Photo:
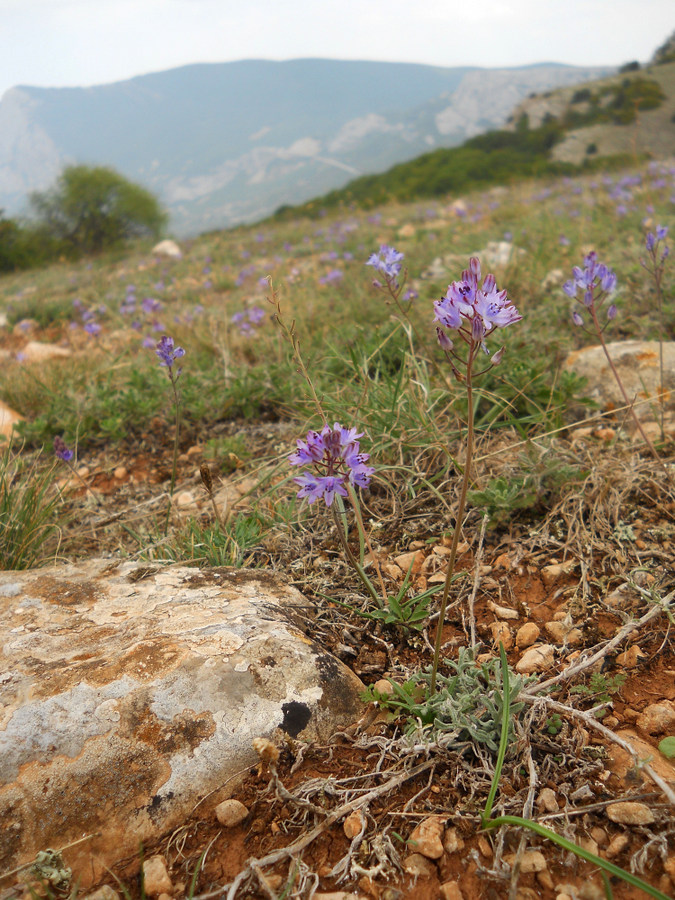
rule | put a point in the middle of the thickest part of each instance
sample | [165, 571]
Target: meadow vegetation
[284, 333]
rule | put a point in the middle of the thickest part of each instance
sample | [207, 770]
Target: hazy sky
[56, 43]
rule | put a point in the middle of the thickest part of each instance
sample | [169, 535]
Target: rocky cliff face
[29, 158]
[226, 144]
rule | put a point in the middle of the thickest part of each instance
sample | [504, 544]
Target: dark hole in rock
[296, 717]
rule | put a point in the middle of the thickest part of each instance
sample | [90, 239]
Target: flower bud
[497, 357]
[443, 339]
[576, 318]
[612, 311]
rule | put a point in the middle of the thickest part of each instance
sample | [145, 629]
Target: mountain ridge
[223, 143]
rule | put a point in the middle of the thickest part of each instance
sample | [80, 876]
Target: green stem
[364, 540]
[341, 528]
[458, 520]
[174, 466]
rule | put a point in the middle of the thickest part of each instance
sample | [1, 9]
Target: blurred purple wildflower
[387, 261]
[336, 460]
[168, 353]
[62, 450]
[596, 282]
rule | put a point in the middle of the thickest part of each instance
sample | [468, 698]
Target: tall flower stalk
[334, 466]
[472, 312]
[594, 285]
[656, 265]
[168, 353]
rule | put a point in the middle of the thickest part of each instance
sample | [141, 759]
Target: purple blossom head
[595, 282]
[168, 354]
[387, 261]
[62, 450]
[474, 309]
[335, 458]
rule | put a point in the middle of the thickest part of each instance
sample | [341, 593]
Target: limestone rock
[8, 419]
[630, 812]
[451, 891]
[501, 633]
[617, 845]
[637, 363]
[156, 879]
[419, 866]
[526, 635]
[231, 813]
[452, 842]
[657, 718]
[105, 892]
[536, 659]
[547, 800]
[167, 248]
[530, 861]
[620, 762]
[426, 838]
[353, 824]
[130, 691]
[36, 351]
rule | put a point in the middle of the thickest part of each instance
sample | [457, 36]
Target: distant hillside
[227, 143]
[606, 121]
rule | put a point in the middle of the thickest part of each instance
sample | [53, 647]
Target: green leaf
[667, 747]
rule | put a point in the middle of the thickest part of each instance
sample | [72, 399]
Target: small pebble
[545, 879]
[536, 659]
[530, 861]
[629, 812]
[485, 847]
[547, 800]
[451, 891]
[501, 633]
[452, 842]
[419, 866]
[352, 824]
[120, 473]
[231, 813]
[630, 658]
[426, 838]
[156, 879]
[526, 635]
[105, 892]
[382, 686]
[618, 843]
[657, 718]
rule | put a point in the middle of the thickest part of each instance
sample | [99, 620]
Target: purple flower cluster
[472, 310]
[62, 450]
[596, 281]
[336, 459]
[248, 320]
[168, 353]
[653, 239]
[387, 261]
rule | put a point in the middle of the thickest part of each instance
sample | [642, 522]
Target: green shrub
[94, 208]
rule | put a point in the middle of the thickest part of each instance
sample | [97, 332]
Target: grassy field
[597, 505]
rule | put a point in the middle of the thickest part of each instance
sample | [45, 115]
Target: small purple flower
[576, 318]
[335, 458]
[387, 260]
[475, 310]
[168, 354]
[92, 328]
[62, 450]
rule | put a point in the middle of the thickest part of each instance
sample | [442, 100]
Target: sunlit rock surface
[128, 692]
